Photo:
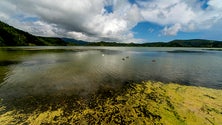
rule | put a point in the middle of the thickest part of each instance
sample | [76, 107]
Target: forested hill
[174, 43]
[10, 36]
[195, 43]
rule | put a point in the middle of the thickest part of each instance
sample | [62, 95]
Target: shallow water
[83, 70]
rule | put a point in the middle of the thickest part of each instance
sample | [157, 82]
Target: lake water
[82, 70]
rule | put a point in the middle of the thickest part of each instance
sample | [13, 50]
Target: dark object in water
[127, 57]
[185, 51]
[153, 60]
[123, 58]
[8, 62]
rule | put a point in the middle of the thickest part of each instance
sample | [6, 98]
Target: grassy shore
[144, 103]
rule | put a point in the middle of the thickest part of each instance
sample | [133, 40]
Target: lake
[83, 70]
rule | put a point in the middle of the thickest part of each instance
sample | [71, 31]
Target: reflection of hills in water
[186, 51]
[81, 70]
[53, 83]
[72, 73]
[8, 62]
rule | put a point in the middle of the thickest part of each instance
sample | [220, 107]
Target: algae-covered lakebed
[104, 85]
[144, 103]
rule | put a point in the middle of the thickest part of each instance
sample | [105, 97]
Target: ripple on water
[84, 72]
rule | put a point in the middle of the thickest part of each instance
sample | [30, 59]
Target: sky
[116, 20]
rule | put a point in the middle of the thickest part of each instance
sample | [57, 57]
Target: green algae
[144, 103]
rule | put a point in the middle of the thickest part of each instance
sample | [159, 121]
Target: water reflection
[53, 71]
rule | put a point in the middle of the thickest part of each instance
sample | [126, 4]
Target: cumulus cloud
[179, 15]
[6, 10]
[167, 12]
[171, 31]
[89, 20]
[215, 4]
[85, 19]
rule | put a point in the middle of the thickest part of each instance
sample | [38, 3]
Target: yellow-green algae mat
[145, 103]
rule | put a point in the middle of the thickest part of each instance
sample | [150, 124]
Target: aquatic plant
[144, 103]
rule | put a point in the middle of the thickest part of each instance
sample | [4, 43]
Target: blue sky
[116, 20]
[152, 32]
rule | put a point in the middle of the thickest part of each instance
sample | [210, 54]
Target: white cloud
[167, 12]
[175, 13]
[88, 19]
[212, 15]
[85, 17]
[216, 4]
[172, 31]
[77, 35]
[189, 14]
[6, 10]
[44, 29]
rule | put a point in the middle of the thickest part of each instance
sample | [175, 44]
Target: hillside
[102, 43]
[174, 43]
[195, 43]
[186, 43]
[75, 42]
[10, 36]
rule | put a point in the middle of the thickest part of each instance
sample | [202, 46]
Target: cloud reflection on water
[85, 71]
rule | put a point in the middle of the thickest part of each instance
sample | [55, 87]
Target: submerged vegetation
[145, 103]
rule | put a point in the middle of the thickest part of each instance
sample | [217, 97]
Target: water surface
[83, 70]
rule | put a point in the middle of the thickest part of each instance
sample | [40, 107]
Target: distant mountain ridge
[76, 42]
[187, 43]
[174, 43]
[196, 43]
[10, 36]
